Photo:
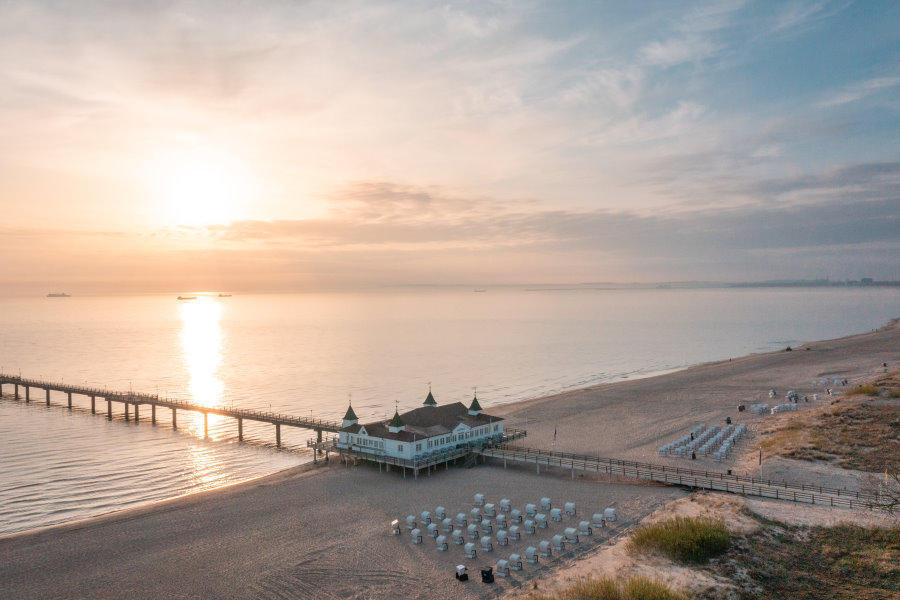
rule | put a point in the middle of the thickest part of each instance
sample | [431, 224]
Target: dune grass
[867, 389]
[684, 539]
[845, 562]
[605, 588]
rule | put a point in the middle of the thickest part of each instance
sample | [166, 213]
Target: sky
[276, 146]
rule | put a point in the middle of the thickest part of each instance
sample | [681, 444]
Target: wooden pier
[693, 478]
[132, 403]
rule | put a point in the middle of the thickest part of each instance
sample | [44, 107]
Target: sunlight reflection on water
[201, 343]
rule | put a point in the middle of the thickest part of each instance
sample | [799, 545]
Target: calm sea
[307, 353]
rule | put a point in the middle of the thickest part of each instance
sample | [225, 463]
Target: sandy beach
[626, 419]
[323, 533]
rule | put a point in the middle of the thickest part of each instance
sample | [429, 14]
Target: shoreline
[503, 409]
[153, 506]
[510, 407]
[324, 532]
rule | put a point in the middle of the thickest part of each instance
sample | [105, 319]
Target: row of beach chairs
[511, 524]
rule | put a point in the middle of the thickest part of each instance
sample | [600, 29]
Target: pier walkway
[131, 400]
[694, 478]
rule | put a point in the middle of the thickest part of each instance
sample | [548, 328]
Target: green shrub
[685, 539]
[868, 389]
[605, 588]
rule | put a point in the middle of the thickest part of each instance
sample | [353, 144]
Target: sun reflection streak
[201, 342]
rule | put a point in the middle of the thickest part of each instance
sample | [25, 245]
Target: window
[400, 447]
[418, 447]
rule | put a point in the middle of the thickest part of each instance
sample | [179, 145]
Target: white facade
[421, 431]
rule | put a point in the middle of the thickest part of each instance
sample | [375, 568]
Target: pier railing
[135, 399]
[688, 472]
[695, 478]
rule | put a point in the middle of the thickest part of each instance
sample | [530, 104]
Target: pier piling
[133, 398]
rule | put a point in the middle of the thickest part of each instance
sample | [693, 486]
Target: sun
[200, 187]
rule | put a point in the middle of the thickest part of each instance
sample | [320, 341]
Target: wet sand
[323, 533]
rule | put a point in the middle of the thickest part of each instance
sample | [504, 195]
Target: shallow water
[306, 353]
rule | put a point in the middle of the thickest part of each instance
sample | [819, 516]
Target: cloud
[859, 91]
[519, 141]
[676, 51]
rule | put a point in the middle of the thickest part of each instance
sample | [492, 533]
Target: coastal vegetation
[636, 587]
[683, 539]
[859, 431]
[852, 434]
[840, 563]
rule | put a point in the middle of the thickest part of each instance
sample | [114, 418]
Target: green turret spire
[429, 399]
[396, 421]
[475, 407]
[350, 416]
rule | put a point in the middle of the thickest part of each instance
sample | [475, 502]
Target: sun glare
[202, 187]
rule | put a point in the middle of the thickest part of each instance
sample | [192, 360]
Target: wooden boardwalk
[694, 478]
[132, 401]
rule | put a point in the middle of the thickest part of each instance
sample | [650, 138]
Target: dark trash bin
[487, 575]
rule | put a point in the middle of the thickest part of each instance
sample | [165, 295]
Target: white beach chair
[502, 568]
[584, 528]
